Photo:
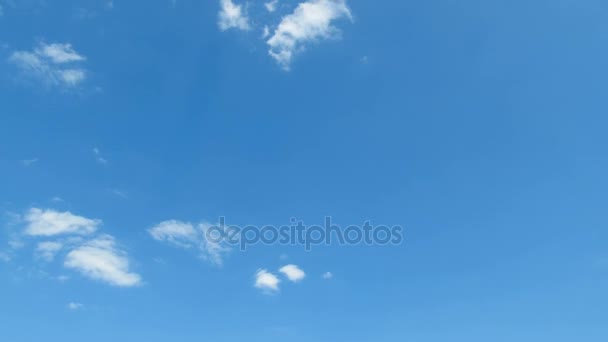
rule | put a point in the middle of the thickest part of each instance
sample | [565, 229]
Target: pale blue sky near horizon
[478, 126]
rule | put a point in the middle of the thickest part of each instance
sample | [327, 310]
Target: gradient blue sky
[479, 126]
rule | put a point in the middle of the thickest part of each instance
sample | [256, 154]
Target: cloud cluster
[51, 64]
[95, 257]
[269, 282]
[310, 22]
[185, 235]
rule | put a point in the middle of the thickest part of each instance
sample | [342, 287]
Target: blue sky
[127, 127]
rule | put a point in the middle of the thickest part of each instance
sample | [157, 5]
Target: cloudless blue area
[479, 126]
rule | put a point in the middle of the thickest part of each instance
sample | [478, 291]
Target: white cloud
[186, 235]
[232, 16]
[271, 6]
[293, 273]
[102, 260]
[47, 250]
[328, 275]
[49, 223]
[75, 306]
[310, 22]
[53, 64]
[266, 281]
[177, 233]
[59, 53]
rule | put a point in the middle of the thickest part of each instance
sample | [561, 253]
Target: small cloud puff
[75, 306]
[232, 16]
[293, 273]
[266, 281]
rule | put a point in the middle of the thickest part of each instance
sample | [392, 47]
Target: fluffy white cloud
[266, 281]
[75, 306]
[47, 250]
[100, 259]
[311, 21]
[271, 6]
[49, 223]
[293, 273]
[53, 64]
[232, 16]
[186, 235]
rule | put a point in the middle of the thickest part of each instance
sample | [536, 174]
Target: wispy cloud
[188, 236]
[47, 250]
[311, 21]
[51, 64]
[293, 273]
[271, 6]
[266, 281]
[265, 32]
[119, 193]
[29, 162]
[75, 306]
[232, 15]
[5, 257]
[176, 233]
[101, 259]
[98, 157]
[328, 275]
